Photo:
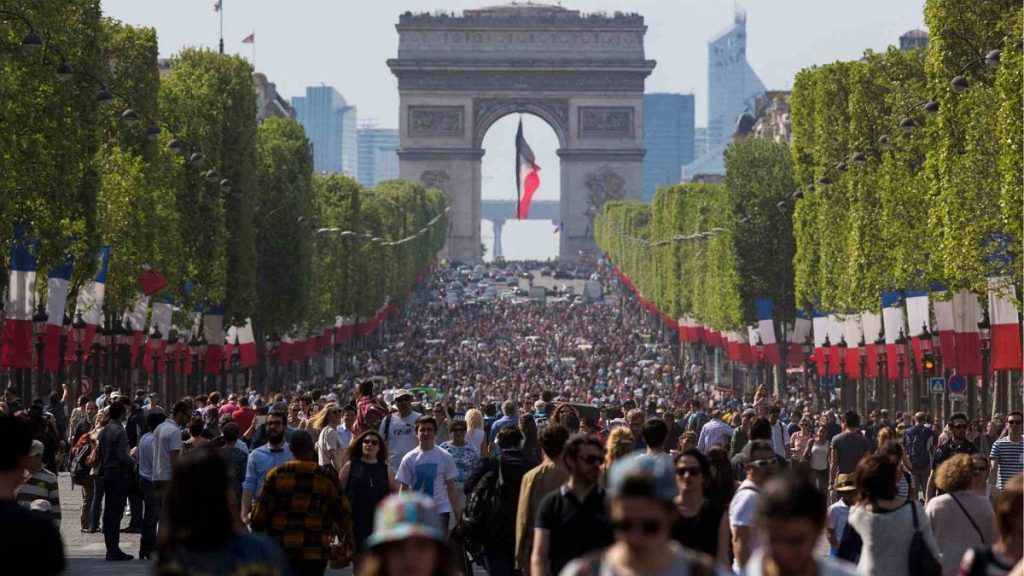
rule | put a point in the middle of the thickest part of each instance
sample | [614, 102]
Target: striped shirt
[1010, 457]
[714, 432]
[41, 486]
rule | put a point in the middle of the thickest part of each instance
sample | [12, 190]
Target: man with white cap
[41, 485]
[398, 430]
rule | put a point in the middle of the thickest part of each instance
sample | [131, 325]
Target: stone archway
[582, 73]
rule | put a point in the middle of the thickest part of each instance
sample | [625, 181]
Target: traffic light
[928, 365]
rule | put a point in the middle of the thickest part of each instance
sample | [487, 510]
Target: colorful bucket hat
[403, 516]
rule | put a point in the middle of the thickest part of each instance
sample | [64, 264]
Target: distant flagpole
[251, 39]
[220, 10]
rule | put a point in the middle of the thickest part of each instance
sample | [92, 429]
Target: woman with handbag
[962, 518]
[896, 533]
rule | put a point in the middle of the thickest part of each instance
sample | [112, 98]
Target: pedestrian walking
[263, 459]
[430, 470]
[200, 533]
[537, 483]
[367, 478]
[701, 523]
[1007, 453]
[1000, 558]
[300, 507]
[955, 443]
[399, 428]
[760, 464]
[960, 517]
[150, 495]
[40, 485]
[409, 539]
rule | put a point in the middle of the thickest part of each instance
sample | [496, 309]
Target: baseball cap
[403, 394]
[403, 516]
[659, 473]
[36, 449]
[844, 483]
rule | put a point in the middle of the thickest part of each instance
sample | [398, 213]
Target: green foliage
[285, 197]
[922, 208]
[48, 128]
[208, 101]
[758, 177]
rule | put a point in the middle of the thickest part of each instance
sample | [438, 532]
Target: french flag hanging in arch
[56, 302]
[21, 300]
[527, 177]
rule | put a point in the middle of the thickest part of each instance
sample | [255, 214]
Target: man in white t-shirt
[838, 513]
[167, 445]
[760, 466]
[430, 470]
[398, 430]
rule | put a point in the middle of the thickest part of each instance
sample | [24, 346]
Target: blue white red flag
[766, 330]
[527, 177]
[892, 320]
[558, 228]
[218, 5]
[21, 300]
[90, 302]
[1005, 322]
[56, 302]
[213, 332]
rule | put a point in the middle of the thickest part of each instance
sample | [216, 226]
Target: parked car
[545, 271]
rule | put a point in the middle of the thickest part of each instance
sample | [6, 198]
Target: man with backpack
[495, 501]
[920, 442]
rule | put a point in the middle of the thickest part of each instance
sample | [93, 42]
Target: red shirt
[228, 408]
[243, 417]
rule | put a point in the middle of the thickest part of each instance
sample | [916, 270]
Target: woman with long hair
[367, 478]
[408, 540]
[816, 457]
[531, 442]
[324, 426]
[699, 522]
[998, 559]
[886, 523]
[620, 443]
[200, 532]
[475, 430]
[722, 484]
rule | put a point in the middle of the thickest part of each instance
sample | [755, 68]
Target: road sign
[957, 384]
[937, 385]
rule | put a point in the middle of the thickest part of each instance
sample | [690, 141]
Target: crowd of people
[523, 438]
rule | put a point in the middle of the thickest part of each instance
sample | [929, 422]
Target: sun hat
[403, 516]
[659, 472]
[844, 483]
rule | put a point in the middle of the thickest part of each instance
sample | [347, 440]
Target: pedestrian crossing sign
[937, 384]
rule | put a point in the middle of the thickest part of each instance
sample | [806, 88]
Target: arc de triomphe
[582, 73]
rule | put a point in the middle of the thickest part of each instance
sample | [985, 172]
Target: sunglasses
[688, 470]
[980, 469]
[335, 412]
[760, 463]
[458, 429]
[959, 427]
[648, 527]
[1014, 422]
[371, 442]
[591, 459]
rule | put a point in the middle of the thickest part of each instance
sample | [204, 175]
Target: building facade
[668, 137]
[378, 155]
[772, 114]
[330, 125]
[914, 39]
[269, 103]
[733, 88]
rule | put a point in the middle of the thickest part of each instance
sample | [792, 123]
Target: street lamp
[170, 383]
[39, 328]
[862, 352]
[808, 349]
[901, 356]
[826, 350]
[880, 350]
[985, 334]
[272, 342]
[193, 348]
[78, 333]
[842, 371]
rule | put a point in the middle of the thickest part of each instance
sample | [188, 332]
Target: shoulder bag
[920, 558]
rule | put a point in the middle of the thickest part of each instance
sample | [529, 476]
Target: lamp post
[925, 345]
[65, 334]
[272, 347]
[881, 381]
[202, 360]
[39, 327]
[106, 337]
[156, 341]
[985, 334]
[193, 348]
[78, 333]
[171, 378]
[125, 336]
[901, 361]
[845, 392]
[826, 351]
[862, 389]
[808, 350]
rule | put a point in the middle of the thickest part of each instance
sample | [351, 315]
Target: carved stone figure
[603, 185]
[435, 121]
[435, 179]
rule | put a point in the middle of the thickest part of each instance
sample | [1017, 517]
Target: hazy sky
[344, 43]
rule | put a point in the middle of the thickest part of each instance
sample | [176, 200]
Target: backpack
[917, 448]
[697, 421]
[850, 544]
[481, 511]
[80, 464]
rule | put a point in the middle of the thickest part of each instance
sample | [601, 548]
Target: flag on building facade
[1005, 324]
[56, 302]
[19, 306]
[527, 177]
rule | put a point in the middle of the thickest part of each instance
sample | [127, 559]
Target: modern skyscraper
[330, 125]
[733, 87]
[668, 137]
[378, 154]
